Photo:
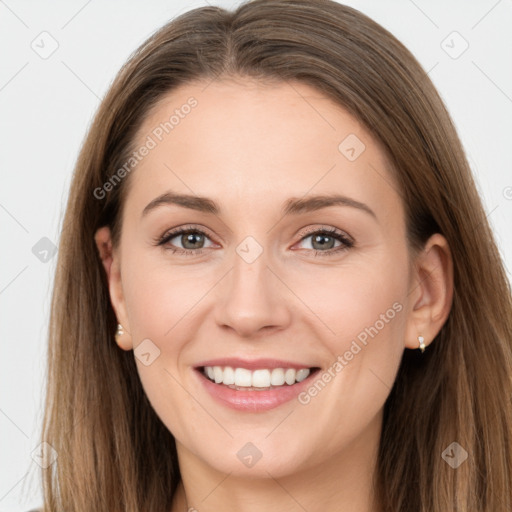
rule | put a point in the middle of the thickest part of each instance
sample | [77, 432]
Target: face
[261, 278]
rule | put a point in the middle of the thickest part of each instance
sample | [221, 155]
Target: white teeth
[301, 374]
[277, 377]
[229, 375]
[289, 376]
[243, 377]
[218, 374]
[261, 379]
[264, 378]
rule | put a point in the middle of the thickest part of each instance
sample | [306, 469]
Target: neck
[342, 482]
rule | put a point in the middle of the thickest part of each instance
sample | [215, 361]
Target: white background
[46, 106]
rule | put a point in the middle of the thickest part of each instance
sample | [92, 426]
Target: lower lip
[253, 401]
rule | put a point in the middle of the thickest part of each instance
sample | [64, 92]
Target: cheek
[365, 312]
[359, 301]
[160, 301]
[159, 296]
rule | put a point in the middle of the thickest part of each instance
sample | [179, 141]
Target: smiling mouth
[264, 379]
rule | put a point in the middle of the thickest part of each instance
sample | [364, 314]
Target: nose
[252, 299]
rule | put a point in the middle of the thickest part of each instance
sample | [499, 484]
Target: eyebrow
[292, 206]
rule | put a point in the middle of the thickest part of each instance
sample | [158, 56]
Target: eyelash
[332, 232]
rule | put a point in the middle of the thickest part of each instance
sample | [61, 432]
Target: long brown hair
[114, 453]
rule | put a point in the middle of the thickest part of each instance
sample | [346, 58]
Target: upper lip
[253, 364]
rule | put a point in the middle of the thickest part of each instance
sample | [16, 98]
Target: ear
[430, 291]
[111, 264]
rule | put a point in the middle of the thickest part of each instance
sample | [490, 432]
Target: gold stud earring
[421, 339]
[119, 333]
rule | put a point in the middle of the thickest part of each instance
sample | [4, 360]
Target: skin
[249, 147]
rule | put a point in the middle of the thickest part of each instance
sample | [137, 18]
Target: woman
[273, 217]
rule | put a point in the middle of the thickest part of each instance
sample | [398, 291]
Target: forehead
[257, 143]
